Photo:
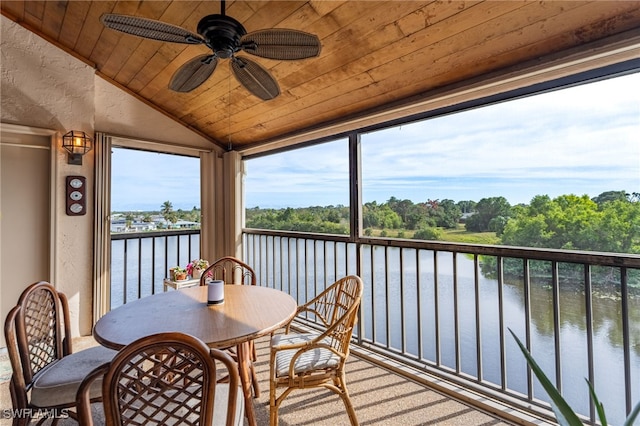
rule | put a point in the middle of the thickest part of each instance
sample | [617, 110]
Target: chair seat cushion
[313, 359]
[58, 383]
[220, 405]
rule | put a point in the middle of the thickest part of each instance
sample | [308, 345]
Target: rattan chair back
[337, 309]
[317, 358]
[234, 271]
[37, 326]
[230, 270]
[163, 379]
[45, 372]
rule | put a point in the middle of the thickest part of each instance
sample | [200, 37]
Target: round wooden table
[248, 312]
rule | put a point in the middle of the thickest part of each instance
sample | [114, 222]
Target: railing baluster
[289, 266]
[335, 261]
[281, 264]
[626, 340]
[555, 285]
[178, 251]
[527, 322]
[153, 265]
[315, 267]
[269, 256]
[373, 296]
[139, 268]
[588, 302]
[306, 275]
[503, 349]
[476, 286]
[403, 331]
[456, 318]
[124, 292]
[166, 253]
[189, 258]
[296, 269]
[269, 278]
[436, 307]
[419, 308]
[386, 295]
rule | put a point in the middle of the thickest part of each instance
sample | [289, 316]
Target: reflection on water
[404, 299]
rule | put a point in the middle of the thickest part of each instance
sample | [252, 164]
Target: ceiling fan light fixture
[225, 37]
[223, 34]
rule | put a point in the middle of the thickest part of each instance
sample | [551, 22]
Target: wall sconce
[77, 143]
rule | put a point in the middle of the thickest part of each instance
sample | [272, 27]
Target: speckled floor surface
[379, 397]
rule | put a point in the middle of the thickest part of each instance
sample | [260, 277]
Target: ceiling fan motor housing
[222, 34]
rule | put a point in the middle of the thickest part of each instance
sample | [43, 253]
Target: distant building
[119, 224]
[465, 216]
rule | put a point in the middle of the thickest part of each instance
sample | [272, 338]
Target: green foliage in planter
[563, 412]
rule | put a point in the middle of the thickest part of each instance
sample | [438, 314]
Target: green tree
[167, 212]
[417, 216]
[427, 233]
[487, 209]
[467, 206]
[447, 214]
[129, 218]
[401, 207]
[579, 223]
[369, 215]
[380, 216]
[610, 196]
[619, 228]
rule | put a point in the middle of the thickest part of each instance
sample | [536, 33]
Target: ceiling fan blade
[255, 78]
[149, 28]
[193, 73]
[281, 43]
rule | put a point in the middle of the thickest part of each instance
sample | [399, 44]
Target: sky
[142, 180]
[583, 140]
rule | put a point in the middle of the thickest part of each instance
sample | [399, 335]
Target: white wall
[119, 113]
[42, 86]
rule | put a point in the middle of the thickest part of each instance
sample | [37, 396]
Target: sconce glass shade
[77, 143]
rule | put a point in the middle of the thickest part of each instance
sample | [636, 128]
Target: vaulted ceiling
[374, 53]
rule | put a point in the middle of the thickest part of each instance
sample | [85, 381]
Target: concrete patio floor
[380, 397]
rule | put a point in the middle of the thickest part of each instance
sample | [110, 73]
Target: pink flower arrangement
[197, 264]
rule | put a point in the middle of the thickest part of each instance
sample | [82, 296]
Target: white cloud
[573, 140]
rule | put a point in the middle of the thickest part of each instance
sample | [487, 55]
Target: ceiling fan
[225, 37]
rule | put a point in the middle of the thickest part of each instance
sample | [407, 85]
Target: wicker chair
[234, 271]
[230, 270]
[302, 361]
[142, 388]
[46, 373]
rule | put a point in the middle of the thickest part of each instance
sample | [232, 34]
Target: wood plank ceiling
[373, 52]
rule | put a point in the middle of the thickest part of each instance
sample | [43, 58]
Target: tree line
[608, 222]
[167, 212]
[172, 216]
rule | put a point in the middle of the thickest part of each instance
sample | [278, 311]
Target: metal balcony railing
[447, 308]
[141, 260]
